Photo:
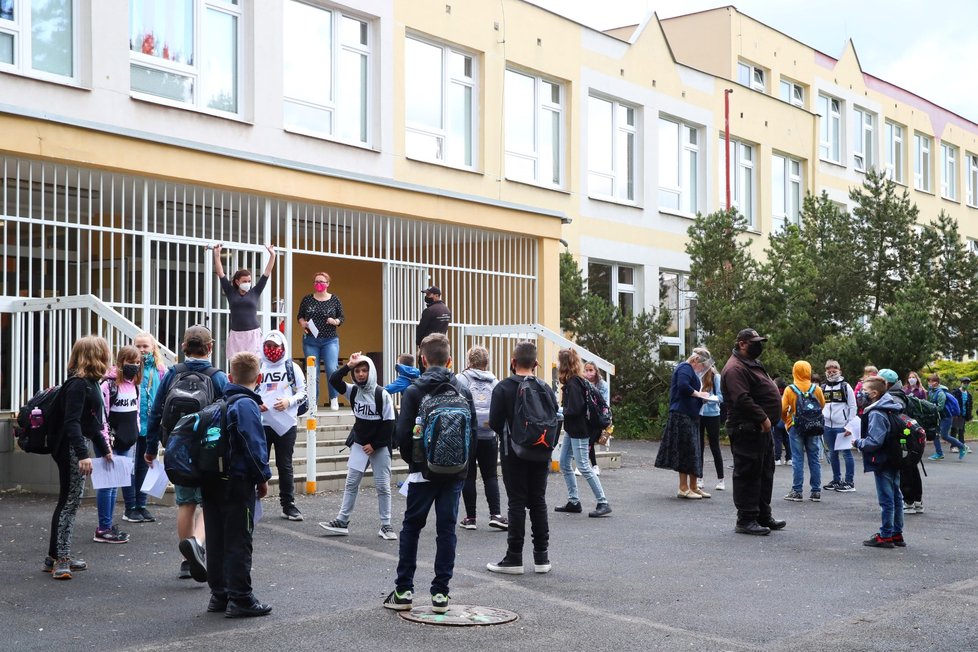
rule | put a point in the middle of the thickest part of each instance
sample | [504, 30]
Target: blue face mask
[148, 359]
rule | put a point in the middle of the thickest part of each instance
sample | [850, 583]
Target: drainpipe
[726, 136]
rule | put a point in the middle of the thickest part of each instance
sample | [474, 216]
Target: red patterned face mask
[274, 352]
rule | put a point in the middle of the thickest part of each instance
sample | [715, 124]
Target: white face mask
[912, 381]
[244, 286]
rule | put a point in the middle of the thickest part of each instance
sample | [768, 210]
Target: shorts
[188, 495]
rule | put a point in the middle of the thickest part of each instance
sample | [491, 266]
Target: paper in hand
[115, 473]
[156, 480]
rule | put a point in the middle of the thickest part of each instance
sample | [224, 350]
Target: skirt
[679, 449]
[239, 341]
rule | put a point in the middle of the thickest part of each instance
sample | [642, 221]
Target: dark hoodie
[249, 450]
[411, 402]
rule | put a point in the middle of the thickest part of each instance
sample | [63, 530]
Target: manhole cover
[460, 615]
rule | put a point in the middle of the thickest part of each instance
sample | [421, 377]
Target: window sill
[953, 200]
[69, 82]
[327, 138]
[677, 213]
[535, 184]
[618, 202]
[162, 101]
[837, 164]
[926, 192]
[441, 164]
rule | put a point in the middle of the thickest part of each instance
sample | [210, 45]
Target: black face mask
[428, 301]
[754, 349]
[129, 371]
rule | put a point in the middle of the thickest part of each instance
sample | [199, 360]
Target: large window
[614, 283]
[830, 128]
[743, 190]
[679, 166]
[679, 303]
[792, 92]
[864, 140]
[785, 191]
[612, 139]
[894, 152]
[186, 51]
[327, 67]
[534, 129]
[752, 76]
[972, 173]
[949, 171]
[440, 96]
[37, 37]
[922, 162]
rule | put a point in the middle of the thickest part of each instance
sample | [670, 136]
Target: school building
[400, 143]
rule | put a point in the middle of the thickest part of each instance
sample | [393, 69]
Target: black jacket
[82, 411]
[575, 409]
[749, 393]
[434, 319]
[411, 402]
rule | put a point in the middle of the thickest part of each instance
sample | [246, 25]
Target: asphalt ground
[659, 574]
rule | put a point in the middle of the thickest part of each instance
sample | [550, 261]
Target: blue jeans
[891, 502]
[799, 447]
[781, 440]
[421, 495]
[105, 498]
[131, 494]
[946, 436]
[830, 435]
[578, 449]
[327, 350]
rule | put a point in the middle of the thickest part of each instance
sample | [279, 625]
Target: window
[949, 171]
[972, 174]
[186, 51]
[37, 37]
[439, 94]
[534, 129]
[614, 283]
[785, 191]
[742, 187]
[792, 92]
[679, 303]
[751, 76]
[894, 152]
[921, 168]
[325, 81]
[611, 137]
[679, 175]
[830, 128]
[973, 246]
[864, 141]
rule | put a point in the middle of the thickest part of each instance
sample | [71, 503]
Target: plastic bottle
[37, 418]
[418, 444]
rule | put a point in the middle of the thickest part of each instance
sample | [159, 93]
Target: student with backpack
[878, 426]
[524, 409]
[921, 410]
[480, 382]
[186, 388]
[966, 402]
[120, 391]
[372, 438]
[154, 368]
[437, 439]
[801, 410]
[593, 376]
[283, 390]
[949, 408]
[574, 399]
[840, 407]
[229, 498]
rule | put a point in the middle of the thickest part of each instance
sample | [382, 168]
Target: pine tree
[571, 292]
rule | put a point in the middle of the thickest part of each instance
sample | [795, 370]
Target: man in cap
[753, 406]
[435, 318]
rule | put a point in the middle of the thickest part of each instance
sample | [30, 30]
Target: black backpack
[807, 418]
[598, 411]
[198, 448]
[905, 441]
[446, 432]
[39, 432]
[191, 391]
[534, 432]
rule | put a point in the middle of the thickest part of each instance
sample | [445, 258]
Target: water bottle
[418, 444]
[37, 418]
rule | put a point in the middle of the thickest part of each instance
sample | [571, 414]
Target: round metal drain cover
[460, 615]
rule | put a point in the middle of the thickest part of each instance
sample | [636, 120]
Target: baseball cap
[965, 379]
[889, 375]
[750, 335]
[434, 289]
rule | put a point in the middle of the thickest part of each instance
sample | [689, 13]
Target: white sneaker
[919, 506]
[597, 470]
[334, 404]
[577, 471]
[720, 486]
[387, 532]
[778, 462]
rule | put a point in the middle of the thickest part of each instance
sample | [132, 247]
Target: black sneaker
[218, 603]
[336, 526]
[133, 516]
[876, 541]
[510, 565]
[498, 522]
[541, 561]
[832, 486]
[147, 516]
[291, 513]
[185, 570]
[194, 553]
[794, 496]
[816, 496]
[898, 541]
[399, 600]
[110, 535]
[572, 508]
[603, 509]
[845, 487]
[73, 565]
[247, 610]
[439, 603]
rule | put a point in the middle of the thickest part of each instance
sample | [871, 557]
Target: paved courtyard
[660, 574]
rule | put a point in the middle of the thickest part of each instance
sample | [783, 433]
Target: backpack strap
[379, 401]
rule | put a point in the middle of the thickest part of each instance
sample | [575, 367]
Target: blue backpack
[951, 405]
[446, 425]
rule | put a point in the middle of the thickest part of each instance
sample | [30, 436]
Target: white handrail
[515, 330]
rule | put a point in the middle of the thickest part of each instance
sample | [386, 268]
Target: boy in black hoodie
[442, 492]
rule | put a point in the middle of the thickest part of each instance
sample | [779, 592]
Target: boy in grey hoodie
[372, 439]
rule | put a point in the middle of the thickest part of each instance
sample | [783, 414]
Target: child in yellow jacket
[811, 442]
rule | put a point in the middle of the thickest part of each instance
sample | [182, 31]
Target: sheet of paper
[156, 480]
[311, 325]
[358, 459]
[258, 510]
[106, 474]
[843, 442]
[404, 488]
[711, 399]
[855, 428]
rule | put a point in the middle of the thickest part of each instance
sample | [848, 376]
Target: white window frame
[949, 171]
[923, 164]
[442, 135]
[624, 185]
[864, 139]
[895, 152]
[689, 162]
[743, 178]
[971, 161]
[616, 286]
[334, 106]
[790, 184]
[541, 105]
[194, 71]
[831, 110]
[752, 76]
[684, 297]
[972, 246]
[792, 92]
[20, 28]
